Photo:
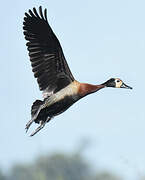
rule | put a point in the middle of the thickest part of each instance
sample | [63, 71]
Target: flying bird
[59, 87]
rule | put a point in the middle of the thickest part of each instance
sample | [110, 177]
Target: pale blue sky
[100, 39]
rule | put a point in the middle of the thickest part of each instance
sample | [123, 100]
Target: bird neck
[86, 89]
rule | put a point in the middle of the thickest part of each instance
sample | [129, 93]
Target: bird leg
[32, 120]
[42, 124]
[29, 124]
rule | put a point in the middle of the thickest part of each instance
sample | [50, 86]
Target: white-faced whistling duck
[59, 87]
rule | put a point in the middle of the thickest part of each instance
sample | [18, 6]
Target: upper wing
[46, 55]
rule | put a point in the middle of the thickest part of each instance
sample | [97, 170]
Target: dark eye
[118, 80]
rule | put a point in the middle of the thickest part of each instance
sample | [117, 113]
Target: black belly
[56, 108]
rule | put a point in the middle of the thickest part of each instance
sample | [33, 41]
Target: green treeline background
[58, 166]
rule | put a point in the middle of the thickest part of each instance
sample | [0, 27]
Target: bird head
[116, 83]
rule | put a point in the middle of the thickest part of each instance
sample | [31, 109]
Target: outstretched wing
[46, 55]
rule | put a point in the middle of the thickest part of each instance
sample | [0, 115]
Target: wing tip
[34, 13]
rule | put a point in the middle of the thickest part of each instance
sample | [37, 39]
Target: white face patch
[118, 83]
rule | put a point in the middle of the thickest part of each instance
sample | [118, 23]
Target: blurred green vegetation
[57, 166]
[2, 177]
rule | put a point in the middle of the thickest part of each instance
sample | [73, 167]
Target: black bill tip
[126, 86]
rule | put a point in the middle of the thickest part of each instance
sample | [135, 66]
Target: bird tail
[38, 116]
[35, 106]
